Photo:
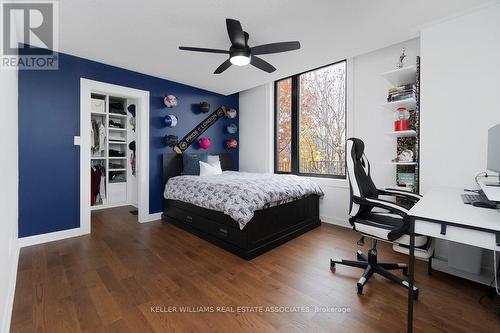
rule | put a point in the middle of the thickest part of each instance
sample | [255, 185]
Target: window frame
[295, 128]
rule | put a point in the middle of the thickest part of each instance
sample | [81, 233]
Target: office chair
[378, 219]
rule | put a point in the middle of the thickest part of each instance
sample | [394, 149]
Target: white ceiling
[144, 35]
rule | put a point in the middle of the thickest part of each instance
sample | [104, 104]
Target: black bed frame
[268, 228]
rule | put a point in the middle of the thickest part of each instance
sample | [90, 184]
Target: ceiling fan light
[240, 60]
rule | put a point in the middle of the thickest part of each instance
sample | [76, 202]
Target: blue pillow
[191, 163]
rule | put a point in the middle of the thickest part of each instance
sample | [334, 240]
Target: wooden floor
[131, 277]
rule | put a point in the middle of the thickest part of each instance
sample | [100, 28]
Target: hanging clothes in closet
[97, 137]
[97, 184]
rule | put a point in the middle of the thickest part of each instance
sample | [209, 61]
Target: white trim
[51, 237]
[7, 315]
[153, 217]
[142, 126]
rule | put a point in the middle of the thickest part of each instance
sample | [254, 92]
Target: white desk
[492, 192]
[442, 214]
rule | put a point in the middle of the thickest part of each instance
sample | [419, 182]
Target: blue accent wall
[49, 118]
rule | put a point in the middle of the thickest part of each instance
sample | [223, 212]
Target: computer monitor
[493, 163]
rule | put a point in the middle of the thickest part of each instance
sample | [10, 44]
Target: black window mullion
[295, 124]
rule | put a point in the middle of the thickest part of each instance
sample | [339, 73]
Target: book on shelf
[401, 92]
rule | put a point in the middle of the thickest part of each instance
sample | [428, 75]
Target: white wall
[8, 194]
[460, 88]
[367, 91]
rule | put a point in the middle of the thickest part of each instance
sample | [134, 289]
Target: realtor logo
[29, 35]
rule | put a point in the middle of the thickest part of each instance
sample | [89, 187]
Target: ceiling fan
[240, 54]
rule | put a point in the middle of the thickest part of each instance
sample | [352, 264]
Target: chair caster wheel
[360, 288]
[359, 255]
[332, 265]
[405, 271]
[415, 295]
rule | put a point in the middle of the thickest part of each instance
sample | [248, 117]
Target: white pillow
[210, 169]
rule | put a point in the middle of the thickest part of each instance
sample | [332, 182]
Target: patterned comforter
[239, 194]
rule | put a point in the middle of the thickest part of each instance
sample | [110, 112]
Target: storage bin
[97, 105]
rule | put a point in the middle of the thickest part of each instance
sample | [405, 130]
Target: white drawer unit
[97, 105]
[117, 192]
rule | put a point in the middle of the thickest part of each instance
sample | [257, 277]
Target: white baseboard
[7, 315]
[51, 237]
[335, 220]
[152, 217]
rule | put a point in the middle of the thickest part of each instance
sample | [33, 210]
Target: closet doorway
[114, 149]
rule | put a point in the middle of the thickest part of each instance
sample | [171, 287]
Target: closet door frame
[87, 87]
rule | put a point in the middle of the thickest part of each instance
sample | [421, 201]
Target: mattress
[239, 194]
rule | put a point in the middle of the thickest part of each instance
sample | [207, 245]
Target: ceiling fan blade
[276, 47]
[262, 64]
[235, 32]
[225, 65]
[200, 49]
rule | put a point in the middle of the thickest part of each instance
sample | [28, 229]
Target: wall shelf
[403, 134]
[401, 76]
[409, 103]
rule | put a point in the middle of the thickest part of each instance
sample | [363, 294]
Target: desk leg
[411, 274]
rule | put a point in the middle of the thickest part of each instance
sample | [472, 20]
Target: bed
[268, 227]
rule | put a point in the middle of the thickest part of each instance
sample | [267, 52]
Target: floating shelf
[401, 76]
[402, 134]
[409, 103]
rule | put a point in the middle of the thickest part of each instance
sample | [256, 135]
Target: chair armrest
[389, 205]
[398, 192]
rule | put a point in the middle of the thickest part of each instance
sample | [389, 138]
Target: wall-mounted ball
[171, 140]
[131, 109]
[231, 143]
[170, 120]
[231, 113]
[232, 128]
[170, 101]
[204, 143]
[204, 107]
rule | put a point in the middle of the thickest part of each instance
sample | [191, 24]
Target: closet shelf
[117, 158]
[401, 76]
[402, 134]
[117, 142]
[409, 103]
[98, 157]
[117, 129]
[98, 113]
[117, 169]
[117, 115]
[404, 163]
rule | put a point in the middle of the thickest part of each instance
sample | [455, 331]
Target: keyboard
[476, 197]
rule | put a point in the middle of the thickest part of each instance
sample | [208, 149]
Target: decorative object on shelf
[401, 58]
[170, 120]
[406, 179]
[401, 119]
[204, 107]
[131, 146]
[195, 133]
[231, 113]
[204, 143]
[404, 156]
[170, 101]
[232, 128]
[171, 140]
[231, 143]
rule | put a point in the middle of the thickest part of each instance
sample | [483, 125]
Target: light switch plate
[76, 140]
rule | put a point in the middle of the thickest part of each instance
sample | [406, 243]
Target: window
[310, 122]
